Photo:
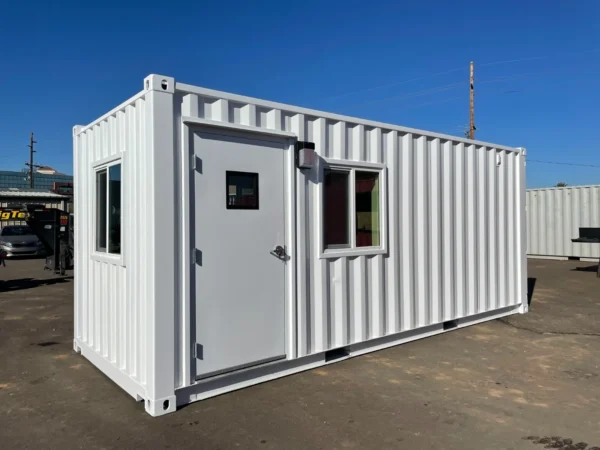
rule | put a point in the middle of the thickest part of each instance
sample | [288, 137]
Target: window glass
[101, 187]
[241, 189]
[114, 209]
[16, 231]
[335, 206]
[367, 209]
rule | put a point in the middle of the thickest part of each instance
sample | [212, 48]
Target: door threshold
[239, 368]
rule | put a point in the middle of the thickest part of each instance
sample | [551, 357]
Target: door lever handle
[279, 252]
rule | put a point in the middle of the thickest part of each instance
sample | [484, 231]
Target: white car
[19, 240]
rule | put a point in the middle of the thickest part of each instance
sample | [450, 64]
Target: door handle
[279, 252]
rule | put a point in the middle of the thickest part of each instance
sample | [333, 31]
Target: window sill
[116, 260]
[340, 253]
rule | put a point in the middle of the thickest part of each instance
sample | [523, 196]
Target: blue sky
[66, 63]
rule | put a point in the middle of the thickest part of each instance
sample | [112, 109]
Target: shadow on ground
[29, 283]
[592, 268]
[530, 289]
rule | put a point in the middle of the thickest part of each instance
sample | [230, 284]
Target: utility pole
[30, 164]
[471, 102]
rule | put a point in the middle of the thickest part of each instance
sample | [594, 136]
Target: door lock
[279, 252]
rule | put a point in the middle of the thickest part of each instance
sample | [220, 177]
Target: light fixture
[305, 155]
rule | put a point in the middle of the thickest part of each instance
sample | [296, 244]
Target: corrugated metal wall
[452, 238]
[454, 229]
[109, 297]
[554, 216]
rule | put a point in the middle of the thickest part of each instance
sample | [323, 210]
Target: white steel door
[240, 271]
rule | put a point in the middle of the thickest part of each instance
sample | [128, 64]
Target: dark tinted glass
[114, 209]
[101, 181]
[336, 209]
[241, 190]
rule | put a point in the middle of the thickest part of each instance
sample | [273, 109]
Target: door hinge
[196, 164]
[196, 256]
[198, 351]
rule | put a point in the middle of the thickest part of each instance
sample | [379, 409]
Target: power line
[446, 87]
[433, 90]
[532, 58]
[562, 163]
[544, 72]
[445, 72]
[433, 102]
[396, 83]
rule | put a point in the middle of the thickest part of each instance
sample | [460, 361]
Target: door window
[241, 190]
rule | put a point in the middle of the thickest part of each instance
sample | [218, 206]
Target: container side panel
[511, 230]
[459, 226]
[448, 279]
[492, 237]
[482, 230]
[452, 236]
[435, 231]
[501, 224]
[554, 216]
[407, 240]
[108, 294]
[392, 264]
[421, 224]
[471, 230]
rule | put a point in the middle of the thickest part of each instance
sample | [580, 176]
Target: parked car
[19, 240]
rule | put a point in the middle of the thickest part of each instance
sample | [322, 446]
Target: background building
[44, 178]
[51, 189]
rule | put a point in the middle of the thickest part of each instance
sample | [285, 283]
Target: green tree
[561, 184]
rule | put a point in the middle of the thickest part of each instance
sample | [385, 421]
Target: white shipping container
[554, 216]
[208, 260]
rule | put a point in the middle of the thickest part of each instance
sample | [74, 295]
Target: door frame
[185, 360]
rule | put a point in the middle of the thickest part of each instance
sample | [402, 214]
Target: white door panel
[240, 282]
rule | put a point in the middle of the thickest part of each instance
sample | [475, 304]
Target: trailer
[53, 227]
[223, 241]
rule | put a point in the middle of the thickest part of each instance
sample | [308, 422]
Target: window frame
[96, 254]
[352, 167]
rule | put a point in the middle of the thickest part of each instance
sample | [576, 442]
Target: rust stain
[320, 372]
[61, 357]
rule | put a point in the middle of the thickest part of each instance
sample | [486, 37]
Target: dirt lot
[520, 383]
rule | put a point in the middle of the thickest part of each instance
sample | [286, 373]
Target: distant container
[223, 241]
[554, 218]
